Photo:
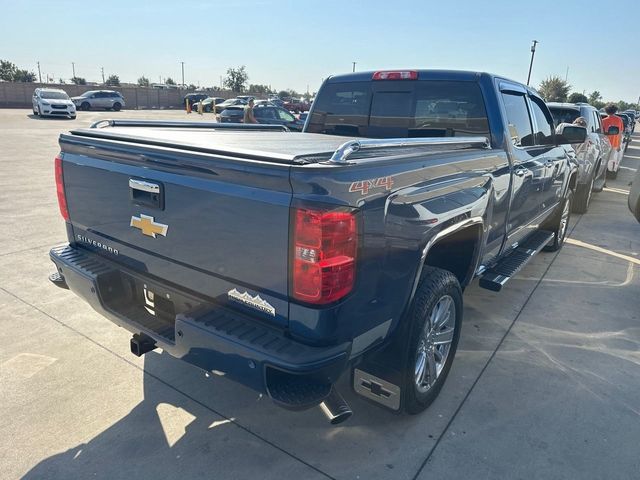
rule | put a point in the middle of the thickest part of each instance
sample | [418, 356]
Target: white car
[52, 102]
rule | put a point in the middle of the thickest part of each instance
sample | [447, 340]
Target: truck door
[552, 156]
[529, 168]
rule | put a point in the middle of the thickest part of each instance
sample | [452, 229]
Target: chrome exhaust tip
[335, 408]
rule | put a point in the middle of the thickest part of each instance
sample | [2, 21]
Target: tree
[143, 81]
[260, 89]
[236, 79]
[577, 97]
[622, 105]
[283, 94]
[169, 81]
[78, 81]
[24, 76]
[554, 89]
[113, 80]
[7, 70]
[594, 97]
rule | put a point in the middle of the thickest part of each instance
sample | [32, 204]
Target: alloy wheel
[435, 343]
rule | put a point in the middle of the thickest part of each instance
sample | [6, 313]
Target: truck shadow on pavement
[173, 433]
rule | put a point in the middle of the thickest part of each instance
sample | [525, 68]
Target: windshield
[54, 95]
[564, 115]
[400, 109]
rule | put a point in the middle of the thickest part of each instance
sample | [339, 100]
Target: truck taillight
[62, 199]
[324, 255]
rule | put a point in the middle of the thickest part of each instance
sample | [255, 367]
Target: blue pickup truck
[284, 261]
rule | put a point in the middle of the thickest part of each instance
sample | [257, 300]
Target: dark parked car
[193, 98]
[209, 103]
[265, 114]
[231, 102]
[592, 155]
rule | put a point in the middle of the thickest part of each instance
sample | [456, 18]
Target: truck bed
[287, 148]
[283, 147]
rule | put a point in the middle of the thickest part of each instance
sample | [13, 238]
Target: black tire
[559, 225]
[72, 117]
[596, 187]
[435, 287]
[85, 106]
[36, 112]
[582, 198]
[117, 106]
[612, 175]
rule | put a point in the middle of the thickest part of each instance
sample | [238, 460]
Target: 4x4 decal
[363, 186]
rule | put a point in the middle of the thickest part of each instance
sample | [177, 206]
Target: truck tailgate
[201, 221]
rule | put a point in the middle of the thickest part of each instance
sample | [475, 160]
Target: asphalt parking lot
[546, 382]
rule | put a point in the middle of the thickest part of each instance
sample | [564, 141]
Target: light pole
[73, 67]
[182, 63]
[39, 73]
[354, 66]
[533, 53]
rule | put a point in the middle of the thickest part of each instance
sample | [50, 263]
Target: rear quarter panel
[403, 202]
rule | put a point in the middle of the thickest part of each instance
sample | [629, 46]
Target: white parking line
[616, 190]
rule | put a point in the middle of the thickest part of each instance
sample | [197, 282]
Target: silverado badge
[250, 301]
[148, 226]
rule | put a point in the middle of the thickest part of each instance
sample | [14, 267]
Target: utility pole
[102, 70]
[73, 67]
[566, 76]
[39, 73]
[354, 66]
[533, 53]
[182, 73]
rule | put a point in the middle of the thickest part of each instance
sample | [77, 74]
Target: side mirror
[572, 134]
[613, 130]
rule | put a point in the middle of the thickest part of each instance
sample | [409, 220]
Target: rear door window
[544, 125]
[520, 129]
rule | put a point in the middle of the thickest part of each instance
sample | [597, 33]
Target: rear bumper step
[210, 336]
[496, 277]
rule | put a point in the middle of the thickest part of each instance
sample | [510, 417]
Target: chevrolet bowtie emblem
[148, 226]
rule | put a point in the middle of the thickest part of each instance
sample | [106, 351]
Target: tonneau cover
[288, 147]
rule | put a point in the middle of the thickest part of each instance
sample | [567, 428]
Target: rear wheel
[560, 224]
[117, 106]
[583, 197]
[85, 106]
[436, 318]
[612, 175]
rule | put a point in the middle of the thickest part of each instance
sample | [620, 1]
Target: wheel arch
[470, 232]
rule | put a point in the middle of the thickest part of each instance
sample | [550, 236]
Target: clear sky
[292, 44]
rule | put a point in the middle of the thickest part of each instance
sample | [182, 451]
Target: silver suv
[108, 99]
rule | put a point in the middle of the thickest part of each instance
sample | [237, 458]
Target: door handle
[146, 193]
[549, 162]
[144, 186]
[521, 172]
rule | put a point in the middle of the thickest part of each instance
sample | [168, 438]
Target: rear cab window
[564, 115]
[402, 108]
